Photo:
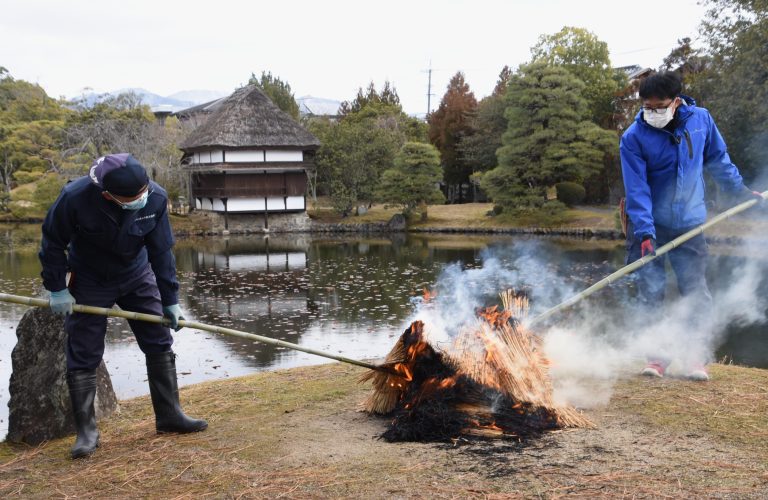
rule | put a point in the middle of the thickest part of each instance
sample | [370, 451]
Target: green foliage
[414, 179]
[387, 97]
[33, 199]
[733, 84]
[353, 155]
[47, 190]
[570, 193]
[357, 149]
[488, 123]
[549, 138]
[449, 124]
[586, 57]
[278, 91]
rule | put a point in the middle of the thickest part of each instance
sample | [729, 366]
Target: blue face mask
[136, 204]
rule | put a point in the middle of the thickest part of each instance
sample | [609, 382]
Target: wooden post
[226, 213]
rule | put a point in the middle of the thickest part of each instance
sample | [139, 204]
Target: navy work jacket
[87, 234]
[664, 170]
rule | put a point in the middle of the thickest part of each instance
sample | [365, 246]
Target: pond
[346, 295]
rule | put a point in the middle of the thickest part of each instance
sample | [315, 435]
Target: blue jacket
[87, 234]
[664, 171]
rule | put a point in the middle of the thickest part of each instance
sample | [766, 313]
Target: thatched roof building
[247, 155]
[249, 118]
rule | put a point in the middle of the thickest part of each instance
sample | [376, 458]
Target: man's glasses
[658, 111]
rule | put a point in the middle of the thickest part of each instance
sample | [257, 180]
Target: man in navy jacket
[664, 155]
[110, 231]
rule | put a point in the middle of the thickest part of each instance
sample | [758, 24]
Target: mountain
[198, 96]
[309, 105]
[174, 102]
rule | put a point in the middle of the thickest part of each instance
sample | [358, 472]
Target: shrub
[570, 193]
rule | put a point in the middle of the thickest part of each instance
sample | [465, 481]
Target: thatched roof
[248, 118]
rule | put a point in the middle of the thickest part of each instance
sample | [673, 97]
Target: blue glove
[173, 313]
[61, 302]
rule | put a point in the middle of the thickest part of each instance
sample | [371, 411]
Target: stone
[397, 223]
[39, 406]
[362, 210]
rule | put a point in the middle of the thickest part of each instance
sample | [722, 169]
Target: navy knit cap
[120, 174]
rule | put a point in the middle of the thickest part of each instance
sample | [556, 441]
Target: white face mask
[659, 120]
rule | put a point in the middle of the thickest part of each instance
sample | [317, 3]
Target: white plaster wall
[245, 155]
[245, 204]
[285, 156]
[294, 203]
[275, 203]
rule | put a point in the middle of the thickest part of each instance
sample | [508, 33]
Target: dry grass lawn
[297, 434]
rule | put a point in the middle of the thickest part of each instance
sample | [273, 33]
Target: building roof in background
[247, 118]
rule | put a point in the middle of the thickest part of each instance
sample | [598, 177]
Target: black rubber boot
[82, 392]
[164, 389]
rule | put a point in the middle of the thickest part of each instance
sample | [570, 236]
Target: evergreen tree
[586, 57]
[413, 182]
[447, 125]
[488, 124]
[278, 91]
[733, 86]
[355, 151]
[549, 138]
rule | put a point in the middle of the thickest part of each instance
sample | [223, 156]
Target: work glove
[173, 314]
[648, 246]
[749, 195]
[61, 302]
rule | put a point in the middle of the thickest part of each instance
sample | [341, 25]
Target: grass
[733, 410]
[295, 433]
[474, 215]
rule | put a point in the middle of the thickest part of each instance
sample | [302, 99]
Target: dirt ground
[298, 434]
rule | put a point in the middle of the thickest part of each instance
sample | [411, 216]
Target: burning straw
[492, 382]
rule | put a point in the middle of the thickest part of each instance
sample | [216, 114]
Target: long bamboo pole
[117, 313]
[645, 260]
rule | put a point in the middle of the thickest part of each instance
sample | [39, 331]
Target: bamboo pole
[117, 313]
[645, 260]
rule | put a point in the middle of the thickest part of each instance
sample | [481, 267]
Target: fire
[492, 382]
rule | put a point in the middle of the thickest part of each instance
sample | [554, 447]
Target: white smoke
[603, 338]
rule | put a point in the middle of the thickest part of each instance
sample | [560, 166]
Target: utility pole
[429, 89]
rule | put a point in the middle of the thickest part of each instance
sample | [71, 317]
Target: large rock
[39, 406]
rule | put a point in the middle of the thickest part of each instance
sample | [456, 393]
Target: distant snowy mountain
[309, 105]
[174, 102]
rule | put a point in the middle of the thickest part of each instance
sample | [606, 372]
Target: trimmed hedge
[570, 193]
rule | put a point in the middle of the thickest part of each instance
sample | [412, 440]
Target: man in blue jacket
[664, 155]
[110, 231]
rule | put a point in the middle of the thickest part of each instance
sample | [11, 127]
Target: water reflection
[346, 295]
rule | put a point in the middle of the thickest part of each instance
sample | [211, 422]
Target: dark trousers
[86, 332]
[689, 263]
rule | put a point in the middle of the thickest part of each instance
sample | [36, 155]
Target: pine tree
[549, 138]
[278, 91]
[413, 180]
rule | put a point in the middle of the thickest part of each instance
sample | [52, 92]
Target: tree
[356, 150]
[387, 98]
[549, 138]
[586, 57]
[278, 91]
[352, 156]
[733, 85]
[123, 124]
[413, 182]
[447, 125]
[488, 124]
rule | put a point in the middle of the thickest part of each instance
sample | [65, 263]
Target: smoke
[605, 337]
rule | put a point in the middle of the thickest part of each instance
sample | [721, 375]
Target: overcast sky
[323, 48]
